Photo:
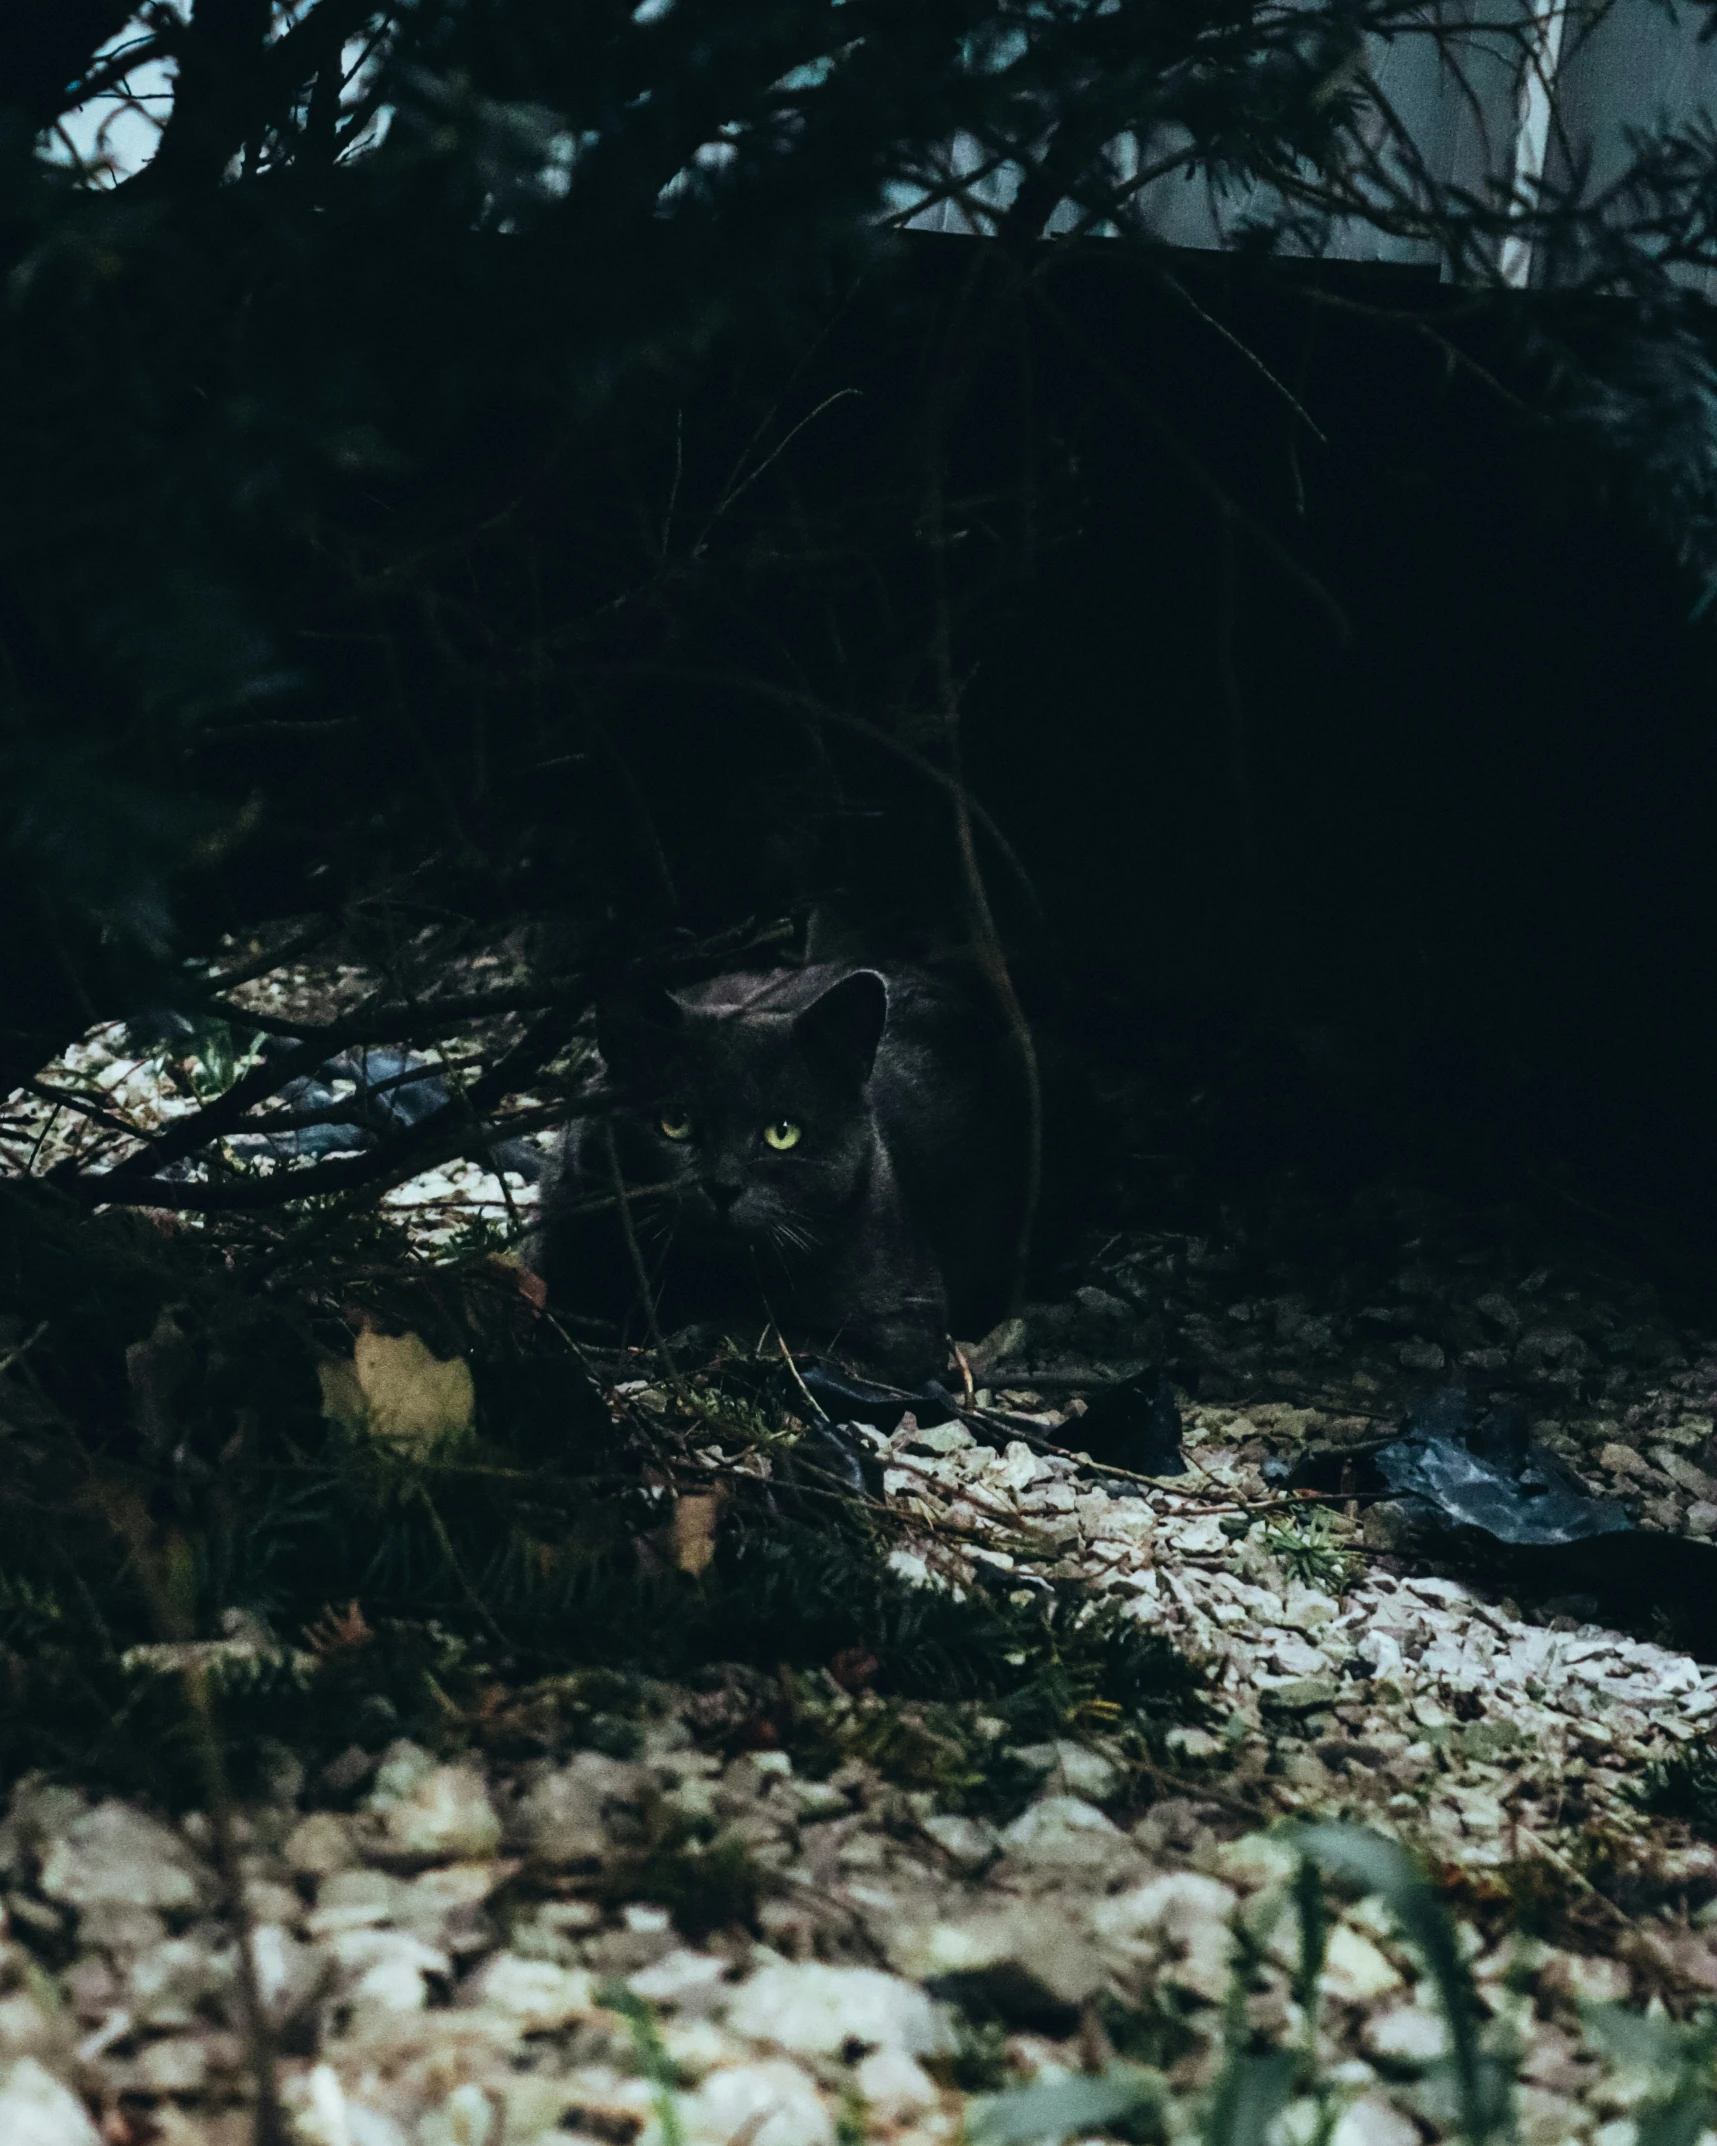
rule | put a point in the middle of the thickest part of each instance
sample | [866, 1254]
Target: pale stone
[1256, 1860]
[696, 2046]
[123, 1933]
[1127, 1523]
[288, 1974]
[438, 1814]
[533, 2107]
[39, 1809]
[1062, 1832]
[165, 1984]
[353, 1900]
[1195, 1744]
[816, 2010]
[321, 1844]
[322, 2115]
[1543, 2118]
[177, 2065]
[907, 1565]
[115, 1857]
[1292, 1657]
[1183, 1914]
[266, 1900]
[36, 2110]
[817, 1800]
[969, 1842]
[1202, 1537]
[1355, 1971]
[680, 1978]
[1371, 2121]
[894, 2085]
[1586, 1981]
[943, 1438]
[1037, 1944]
[770, 2104]
[560, 1821]
[1300, 1695]
[1681, 1470]
[468, 2117]
[386, 1968]
[435, 1899]
[1072, 1767]
[537, 1993]
[28, 2028]
[1411, 2036]
[1308, 1610]
[1020, 1466]
[403, 1765]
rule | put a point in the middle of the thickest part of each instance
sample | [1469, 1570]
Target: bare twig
[444, 1542]
[270, 958]
[1195, 467]
[992, 960]
[436, 1136]
[65, 1099]
[642, 1273]
[21, 1349]
[126, 1515]
[843, 719]
[1245, 350]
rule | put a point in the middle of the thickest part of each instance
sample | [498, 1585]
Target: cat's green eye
[783, 1134]
[676, 1125]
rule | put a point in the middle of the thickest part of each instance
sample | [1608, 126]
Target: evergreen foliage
[426, 485]
[187, 1491]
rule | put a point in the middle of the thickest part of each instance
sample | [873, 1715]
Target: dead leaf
[394, 1389]
[855, 1669]
[692, 1536]
[338, 1631]
[342, 1396]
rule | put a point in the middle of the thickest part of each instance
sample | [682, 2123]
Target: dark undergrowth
[1685, 1787]
[173, 1497]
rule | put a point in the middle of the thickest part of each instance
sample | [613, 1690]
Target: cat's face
[759, 1122]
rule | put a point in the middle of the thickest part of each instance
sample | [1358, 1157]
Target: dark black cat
[840, 1150]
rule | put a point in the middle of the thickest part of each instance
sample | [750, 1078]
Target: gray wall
[1628, 66]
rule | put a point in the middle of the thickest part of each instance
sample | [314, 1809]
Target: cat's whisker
[795, 1236]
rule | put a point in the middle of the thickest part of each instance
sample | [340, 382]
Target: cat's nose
[723, 1192]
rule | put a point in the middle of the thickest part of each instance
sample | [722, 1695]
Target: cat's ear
[840, 1031]
[637, 1032]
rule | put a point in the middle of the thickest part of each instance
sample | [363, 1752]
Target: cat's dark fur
[889, 1225]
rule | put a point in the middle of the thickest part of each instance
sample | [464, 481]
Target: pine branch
[49, 52]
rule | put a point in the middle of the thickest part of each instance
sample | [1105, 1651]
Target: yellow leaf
[394, 1389]
[693, 1531]
[342, 1396]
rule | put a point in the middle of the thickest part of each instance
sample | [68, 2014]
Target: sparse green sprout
[651, 2057]
[1678, 2058]
[1256, 2082]
[1066, 2108]
[1309, 1545]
